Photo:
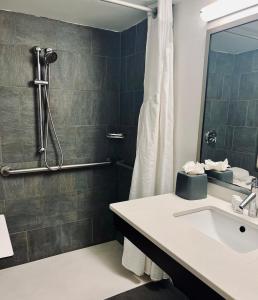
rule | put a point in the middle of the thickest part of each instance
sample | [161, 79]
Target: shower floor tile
[93, 273]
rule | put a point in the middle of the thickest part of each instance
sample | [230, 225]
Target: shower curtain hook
[154, 13]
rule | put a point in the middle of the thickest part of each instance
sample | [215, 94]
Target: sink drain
[242, 228]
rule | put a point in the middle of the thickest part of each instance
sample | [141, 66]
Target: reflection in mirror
[230, 124]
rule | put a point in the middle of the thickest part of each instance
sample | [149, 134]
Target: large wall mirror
[230, 121]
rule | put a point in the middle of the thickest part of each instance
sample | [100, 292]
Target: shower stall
[61, 110]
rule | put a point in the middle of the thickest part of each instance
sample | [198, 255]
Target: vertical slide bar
[40, 112]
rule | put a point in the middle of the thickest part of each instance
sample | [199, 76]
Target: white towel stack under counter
[6, 248]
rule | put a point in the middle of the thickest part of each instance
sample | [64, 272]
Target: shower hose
[49, 124]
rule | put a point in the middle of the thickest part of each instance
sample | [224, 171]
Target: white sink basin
[223, 227]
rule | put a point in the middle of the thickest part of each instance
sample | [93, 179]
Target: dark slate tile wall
[50, 214]
[231, 108]
[133, 45]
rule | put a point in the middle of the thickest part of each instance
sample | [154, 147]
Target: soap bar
[191, 187]
[6, 248]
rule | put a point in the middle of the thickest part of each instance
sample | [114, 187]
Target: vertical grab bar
[37, 82]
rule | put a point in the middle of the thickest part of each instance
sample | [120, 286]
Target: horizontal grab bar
[6, 171]
[122, 164]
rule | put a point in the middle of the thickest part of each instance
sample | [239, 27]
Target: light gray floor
[93, 273]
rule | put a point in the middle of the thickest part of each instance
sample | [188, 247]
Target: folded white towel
[216, 165]
[244, 183]
[6, 248]
[193, 168]
[242, 177]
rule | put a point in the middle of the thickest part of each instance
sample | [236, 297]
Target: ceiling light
[222, 8]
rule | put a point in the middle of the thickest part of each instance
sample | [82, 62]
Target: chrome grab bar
[6, 171]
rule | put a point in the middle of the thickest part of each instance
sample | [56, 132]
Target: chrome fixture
[112, 135]
[210, 137]
[38, 82]
[123, 165]
[6, 171]
[45, 120]
[50, 56]
[151, 11]
[251, 200]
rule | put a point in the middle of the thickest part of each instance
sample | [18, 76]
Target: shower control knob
[41, 150]
[210, 137]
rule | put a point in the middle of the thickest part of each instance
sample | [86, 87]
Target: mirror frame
[211, 30]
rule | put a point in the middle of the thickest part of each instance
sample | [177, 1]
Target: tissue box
[191, 187]
[226, 176]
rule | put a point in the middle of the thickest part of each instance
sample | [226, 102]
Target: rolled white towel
[193, 168]
[216, 165]
[245, 184]
[240, 174]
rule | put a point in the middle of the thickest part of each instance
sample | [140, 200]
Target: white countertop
[233, 275]
[5, 243]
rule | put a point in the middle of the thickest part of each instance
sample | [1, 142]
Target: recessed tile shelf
[6, 248]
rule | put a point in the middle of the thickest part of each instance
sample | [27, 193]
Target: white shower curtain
[153, 169]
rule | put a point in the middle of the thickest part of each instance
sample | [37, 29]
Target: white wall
[190, 37]
[190, 40]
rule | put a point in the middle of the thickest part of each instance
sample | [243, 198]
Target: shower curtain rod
[6, 171]
[153, 11]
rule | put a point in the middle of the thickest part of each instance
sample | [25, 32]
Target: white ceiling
[236, 40]
[93, 13]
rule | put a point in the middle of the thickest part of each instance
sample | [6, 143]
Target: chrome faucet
[251, 200]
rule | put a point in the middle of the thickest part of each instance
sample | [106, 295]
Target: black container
[191, 187]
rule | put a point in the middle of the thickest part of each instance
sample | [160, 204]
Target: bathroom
[104, 101]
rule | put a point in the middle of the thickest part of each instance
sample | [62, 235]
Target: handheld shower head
[50, 56]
